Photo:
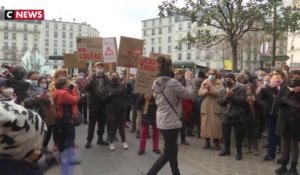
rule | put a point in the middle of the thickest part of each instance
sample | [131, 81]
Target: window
[189, 55]
[207, 32]
[6, 56]
[208, 64]
[55, 25]
[79, 28]
[5, 45]
[169, 39]
[55, 67]
[153, 22]
[55, 51]
[5, 35]
[47, 25]
[25, 37]
[170, 29]
[180, 26]
[64, 27]
[145, 23]
[63, 51]
[14, 46]
[169, 49]
[189, 25]
[145, 32]
[35, 38]
[179, 56]
[159, 40]
[160, 21]
[198, 56]
[14, 36]
[170, 20]
[47, 51]
[145, 51]
[281, 51]
[71, 27]
[46, 42]
[152, 49]
[55, 43]
[79, 34]
[25, 27]
[71, 35]
[47, 33]
[35, 28]
[159, 49]
[153, 32]
[6, 25]
[64, 43]
[159, 31]
[179, 47]
[35, 47]
[55, 34]
[152, 41]
[189, 46]
[64, 35]
[71, 44]
[14, 26]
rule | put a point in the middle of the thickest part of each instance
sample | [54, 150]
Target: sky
[110, 17]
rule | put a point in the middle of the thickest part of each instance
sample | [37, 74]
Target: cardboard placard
[129, 51]
[156, 55]
[146, 74]
[110, 51]
[110, 67]
[71, 62]
[89, 48]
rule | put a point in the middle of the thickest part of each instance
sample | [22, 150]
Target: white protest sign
[110, 53]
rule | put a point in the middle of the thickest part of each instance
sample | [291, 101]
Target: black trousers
[169, 154]
[239, 136]
[96, 116]
[182, 132]
[48, 135]
[83, 109]
[65, 133]
[115, 122]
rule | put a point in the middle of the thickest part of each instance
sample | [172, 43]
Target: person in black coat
[233, 99]
[288, 124]
[96, 89]
[270, 95]
[116, 106]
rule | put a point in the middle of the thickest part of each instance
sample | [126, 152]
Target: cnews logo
[24, 14]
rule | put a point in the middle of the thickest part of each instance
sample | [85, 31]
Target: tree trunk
[234, 49]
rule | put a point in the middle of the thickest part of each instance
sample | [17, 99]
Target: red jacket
[187, 108]
[63, 96]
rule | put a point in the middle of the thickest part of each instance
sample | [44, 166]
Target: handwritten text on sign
[146, 74]
[89, 48]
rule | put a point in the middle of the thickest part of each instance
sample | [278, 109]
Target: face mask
[34, 82]
[294, 83]
[43, 85]
[266, 83]
[99, 70]
[211, 77]
[114, 80]
[8, 92]
[229, 83]
[260, 78]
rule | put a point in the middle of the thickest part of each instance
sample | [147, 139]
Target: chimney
[74, 20]
[59, 18]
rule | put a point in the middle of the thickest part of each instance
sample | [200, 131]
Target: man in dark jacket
[96, 89]
[233, 99]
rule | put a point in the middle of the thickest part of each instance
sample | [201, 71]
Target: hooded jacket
[166, 117]
[65, 99]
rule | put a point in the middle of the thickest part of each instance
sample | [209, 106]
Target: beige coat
[211, 111]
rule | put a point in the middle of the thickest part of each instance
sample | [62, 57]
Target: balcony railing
[19, 29]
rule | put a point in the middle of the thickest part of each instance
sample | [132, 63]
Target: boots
[207, 143]
[255, 147]
[217, 144]
[283, 168]
[293, 169]
[248, 146]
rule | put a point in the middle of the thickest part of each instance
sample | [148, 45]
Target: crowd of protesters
[208, 105]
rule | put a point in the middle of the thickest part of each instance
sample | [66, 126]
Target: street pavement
[193, 160]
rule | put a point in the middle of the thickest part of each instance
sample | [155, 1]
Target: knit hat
[231, 76]
[21, 130]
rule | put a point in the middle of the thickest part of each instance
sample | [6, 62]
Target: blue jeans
[273, 139]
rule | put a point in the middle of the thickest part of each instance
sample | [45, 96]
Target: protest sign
[71, 62]
[110, 52]
[89, 48]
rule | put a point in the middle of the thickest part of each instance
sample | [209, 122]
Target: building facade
[48, 38]
[162, 35]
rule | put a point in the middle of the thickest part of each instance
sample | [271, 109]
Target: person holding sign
[96, 89]
[146, 103]
[168, 93]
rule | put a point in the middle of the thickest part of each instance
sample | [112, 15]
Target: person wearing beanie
[22, 133]
[233, 98]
